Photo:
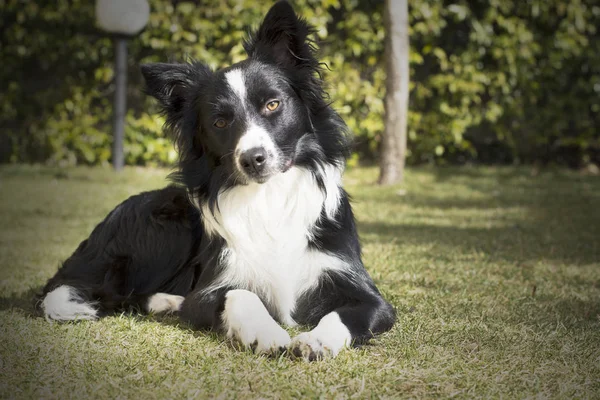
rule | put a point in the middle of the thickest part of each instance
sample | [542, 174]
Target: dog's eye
[220, 123]
[272, 105]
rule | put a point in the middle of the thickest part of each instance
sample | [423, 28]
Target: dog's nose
[254, 160]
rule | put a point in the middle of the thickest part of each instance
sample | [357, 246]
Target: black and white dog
[259, 232]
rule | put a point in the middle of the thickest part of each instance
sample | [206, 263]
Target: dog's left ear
[282, 38]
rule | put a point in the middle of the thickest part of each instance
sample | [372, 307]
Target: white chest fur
[267, 228]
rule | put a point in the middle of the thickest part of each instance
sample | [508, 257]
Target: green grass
[495, 275]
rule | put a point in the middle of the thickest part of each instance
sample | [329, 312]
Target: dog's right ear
[168, 83]
[176, 86]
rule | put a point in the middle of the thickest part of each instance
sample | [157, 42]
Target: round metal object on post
[123, 19]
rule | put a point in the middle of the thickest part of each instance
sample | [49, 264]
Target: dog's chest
[267, 229]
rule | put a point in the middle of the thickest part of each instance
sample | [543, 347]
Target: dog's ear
[176, 86]
[168, 83]
[282, 38]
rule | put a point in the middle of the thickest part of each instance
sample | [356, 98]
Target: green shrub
[494, 81]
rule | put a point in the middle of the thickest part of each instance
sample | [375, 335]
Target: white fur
[325, 340]
[256, 136]
[267, 228]
[246, 320]
[64, 304]
[163, 302]
[235, 80]
[332, 175]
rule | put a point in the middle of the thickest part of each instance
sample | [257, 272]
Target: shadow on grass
[24, 301]
[570, 312]
[554, 217]
[517, 243]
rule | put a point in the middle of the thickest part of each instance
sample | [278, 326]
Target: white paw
[326, 340]
[269, 339]
[163, 302]
[248, 322]
[309, 347]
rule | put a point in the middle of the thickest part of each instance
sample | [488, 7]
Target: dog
[256, 230]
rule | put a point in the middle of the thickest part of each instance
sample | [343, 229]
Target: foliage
[494, 81]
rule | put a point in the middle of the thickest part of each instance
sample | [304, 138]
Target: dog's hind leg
[67, 303]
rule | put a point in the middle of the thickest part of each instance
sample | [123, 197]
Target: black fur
[155, 241]
[147, 244]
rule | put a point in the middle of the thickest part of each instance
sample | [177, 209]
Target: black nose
[254, 160]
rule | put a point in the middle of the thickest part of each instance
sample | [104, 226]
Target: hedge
[498, 81]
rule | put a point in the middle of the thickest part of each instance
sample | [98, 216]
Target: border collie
[258, 231]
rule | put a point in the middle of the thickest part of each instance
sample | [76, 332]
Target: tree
[393, 144]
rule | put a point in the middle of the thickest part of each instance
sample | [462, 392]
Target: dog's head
[253, 119]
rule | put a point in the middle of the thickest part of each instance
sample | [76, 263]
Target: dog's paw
[326, 340]
[309, 347]
[266, 339]
[163, 302]
[248, 323]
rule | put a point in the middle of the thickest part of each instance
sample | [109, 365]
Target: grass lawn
[495, 275]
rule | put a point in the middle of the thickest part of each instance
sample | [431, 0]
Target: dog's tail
[66, 303]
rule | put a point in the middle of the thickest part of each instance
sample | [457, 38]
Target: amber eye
[272, 105]
[220, 123]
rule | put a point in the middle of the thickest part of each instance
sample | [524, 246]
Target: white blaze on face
[255, 135]
[235, 80]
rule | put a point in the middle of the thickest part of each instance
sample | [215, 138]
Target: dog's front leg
[246, 320]
[241, 315]
[347, 325]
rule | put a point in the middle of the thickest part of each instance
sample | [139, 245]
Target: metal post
[120, 105]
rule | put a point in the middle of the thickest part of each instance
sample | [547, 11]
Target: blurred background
[493, 82]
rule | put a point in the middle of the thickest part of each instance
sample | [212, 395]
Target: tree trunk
[393, 145]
